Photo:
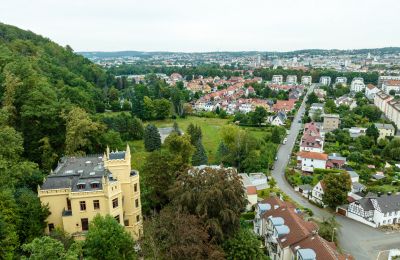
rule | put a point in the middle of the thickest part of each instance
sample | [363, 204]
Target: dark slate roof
[87, 171]
[366, 204]
[389, 203]
[306, 187]
[117, 155]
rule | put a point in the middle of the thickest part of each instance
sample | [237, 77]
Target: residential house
[376, 211]
[305, 190]
[325, 80]
[318, 192]
[316, 108]
[288, 236]
[270, 203]
[357, 131]
[82, 187]
[277, 79]
[370, 91]
[284, 105]
[389, 85]
[312, 143]
[385, 130]
[335, 161]
[331, 122]
[291, 79]
[345, 100]
[308, 161]
[279, 119]
[320, 93]
[357, 85]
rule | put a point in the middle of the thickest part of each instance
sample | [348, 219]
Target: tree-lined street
[360, 240]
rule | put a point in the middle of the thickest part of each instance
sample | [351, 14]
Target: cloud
[209, 25]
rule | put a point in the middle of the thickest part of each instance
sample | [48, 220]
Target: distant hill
[39, 82]
[376, 51]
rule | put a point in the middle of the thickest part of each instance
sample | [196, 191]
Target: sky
[209, 25]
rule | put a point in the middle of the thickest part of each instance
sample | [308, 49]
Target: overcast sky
[209, 25]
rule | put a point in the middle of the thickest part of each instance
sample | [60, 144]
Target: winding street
[361, 241]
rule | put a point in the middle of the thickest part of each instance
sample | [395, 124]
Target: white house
[318, 192]
[385, 130]
[246, 108]
[376, 211]
[315, 108]
[357, 85]
[370, 91]
[279, 119]
[310, 143]
[306, 80]
[277, 79]
[291, 79]
[346, 101]
[325, 80]
[311, 160]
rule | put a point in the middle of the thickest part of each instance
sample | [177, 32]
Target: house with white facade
[316, 108]
[318, 192]
[279, 119]
[308, 161]
[306, 80]
[341, 80]
[376, 211]
[277, 79]
[291, 79]
[310, 143]
[345, 100]
[325, 80]
[370, 91]
[385, 130]
[357, 85]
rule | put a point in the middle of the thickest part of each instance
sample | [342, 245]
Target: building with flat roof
[82, 187]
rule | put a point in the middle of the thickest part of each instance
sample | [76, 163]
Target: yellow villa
[82, 187]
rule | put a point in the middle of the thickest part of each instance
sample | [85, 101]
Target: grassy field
[211, 135]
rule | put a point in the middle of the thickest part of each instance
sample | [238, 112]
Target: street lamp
[333, 233]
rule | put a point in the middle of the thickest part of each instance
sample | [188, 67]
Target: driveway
[361, 241]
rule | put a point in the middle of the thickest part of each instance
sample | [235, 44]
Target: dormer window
[81, 186]
[95, 185]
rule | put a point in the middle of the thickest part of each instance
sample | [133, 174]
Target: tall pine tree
[152, 138]
[200, 156]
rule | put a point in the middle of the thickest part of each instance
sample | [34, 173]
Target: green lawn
[211, 137]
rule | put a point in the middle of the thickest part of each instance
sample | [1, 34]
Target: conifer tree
[200, 156]
[152, 138]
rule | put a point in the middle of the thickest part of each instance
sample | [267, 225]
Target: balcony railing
[67, 213]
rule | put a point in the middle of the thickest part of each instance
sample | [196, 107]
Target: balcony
[67, 213]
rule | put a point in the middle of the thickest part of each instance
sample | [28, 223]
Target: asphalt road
[361, 241]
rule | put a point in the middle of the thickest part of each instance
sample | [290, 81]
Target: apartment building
[357, 85]
[370, 91]
[341, 80]
[291, 79]
[277, 79]
[390, 107]
[306, 80]
[82, 187]
[381, 79]
[325, 80]
[389, 86]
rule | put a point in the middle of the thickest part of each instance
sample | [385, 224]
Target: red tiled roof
[251, 190]
[313, 155]
[392, 82]
[323, 249]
